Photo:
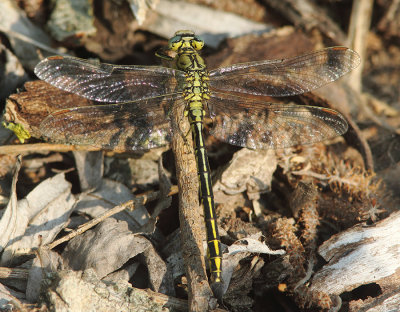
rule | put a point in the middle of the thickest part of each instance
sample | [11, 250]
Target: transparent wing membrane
[128, 126]
[285, 77]
[146, 93]
[108, 83]
[261, 125]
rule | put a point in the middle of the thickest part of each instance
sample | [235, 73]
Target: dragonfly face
[136, 101]
[185, 40]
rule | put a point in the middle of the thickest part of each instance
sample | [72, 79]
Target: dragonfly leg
[184, 137]
[182, 133]
[163, 54]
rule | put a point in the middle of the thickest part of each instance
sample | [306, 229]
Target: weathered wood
[360, 256]
[28, 108]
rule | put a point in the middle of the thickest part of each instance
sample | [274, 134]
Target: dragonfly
[135, 107]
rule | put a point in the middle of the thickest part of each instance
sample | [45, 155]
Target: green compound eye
[175, 43]
[197, 43]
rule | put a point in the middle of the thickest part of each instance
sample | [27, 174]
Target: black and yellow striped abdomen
[197, 93]
[206, 197]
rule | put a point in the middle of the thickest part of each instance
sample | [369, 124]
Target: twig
[200, 294]
[139, 200]
[24, 149]
[14, 273]
[358, 30]
[33, 42]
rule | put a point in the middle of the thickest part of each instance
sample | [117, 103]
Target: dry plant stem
[13, 273]
[364, 147]
[200, 294]
[24, 149]
[142, 200]
[33, 42]
[360, 22]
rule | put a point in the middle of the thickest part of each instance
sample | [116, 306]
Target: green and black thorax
[186, 44]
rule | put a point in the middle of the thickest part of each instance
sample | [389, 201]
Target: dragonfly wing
[261, 125]
[108, 83]
[120, 126]
[286, 77]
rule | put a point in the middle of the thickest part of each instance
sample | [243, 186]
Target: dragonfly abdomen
[206, 195]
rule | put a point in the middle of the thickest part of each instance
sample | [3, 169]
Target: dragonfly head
[185, 40]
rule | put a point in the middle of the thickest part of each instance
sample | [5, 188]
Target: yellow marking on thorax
[196, 88]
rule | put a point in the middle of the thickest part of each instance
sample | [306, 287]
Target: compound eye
[175, 43]
[197, 43]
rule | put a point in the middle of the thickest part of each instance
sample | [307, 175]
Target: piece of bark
[30, 107]
[362, 255]
[280, 43]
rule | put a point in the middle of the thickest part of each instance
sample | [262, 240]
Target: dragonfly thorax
[190, 60]
[196, 88]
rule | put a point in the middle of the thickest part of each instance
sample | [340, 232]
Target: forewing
[121, 126]
[261, 125]
[108, 83]
[286, 77]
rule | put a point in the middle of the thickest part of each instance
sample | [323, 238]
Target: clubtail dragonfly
[137, 101]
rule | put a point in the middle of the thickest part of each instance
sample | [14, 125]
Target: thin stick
[24, 149]
[191, 223]
[360, 22]
[14, 273]
[27, 39]
[131, 204]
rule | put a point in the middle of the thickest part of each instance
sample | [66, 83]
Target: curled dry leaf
[40, 217]
[242, 249]
[71, 19]
[249, 170]
[90, 168]
[107, 247]
[13, 21]
[47, 261]
[9, 218]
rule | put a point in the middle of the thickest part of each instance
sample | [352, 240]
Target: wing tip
[43, 65]
[354, 57]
